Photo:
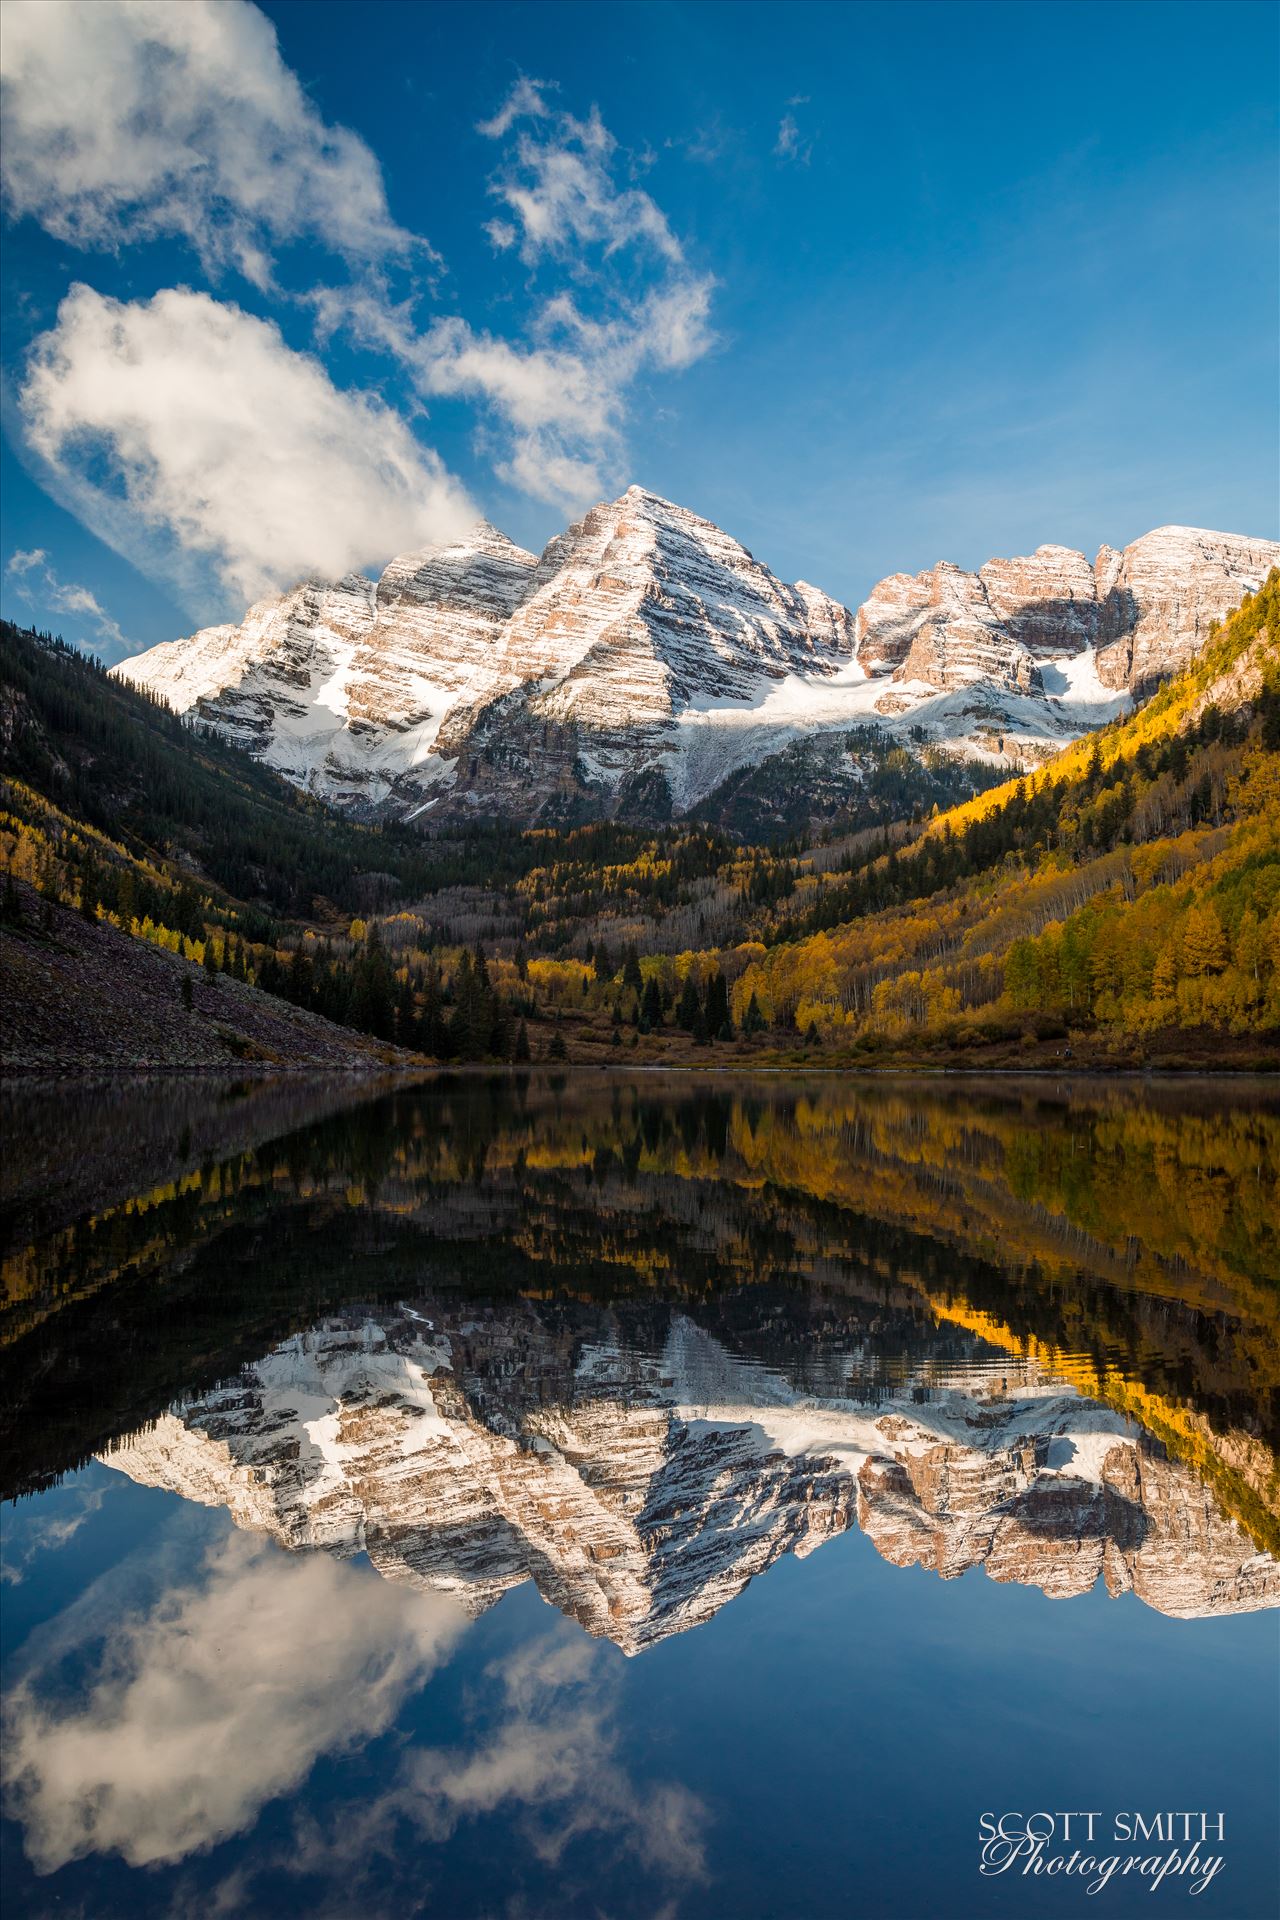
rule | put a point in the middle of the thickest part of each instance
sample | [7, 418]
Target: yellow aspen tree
[1204, 944]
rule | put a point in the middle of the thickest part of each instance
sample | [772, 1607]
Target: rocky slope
[645, 657]
[80, 997]
[469, 1450]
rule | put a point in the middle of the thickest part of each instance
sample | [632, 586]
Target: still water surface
[560, 1496]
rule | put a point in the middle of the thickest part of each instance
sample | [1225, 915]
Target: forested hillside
[1120, 903]
[107, 754]
[1131, 885]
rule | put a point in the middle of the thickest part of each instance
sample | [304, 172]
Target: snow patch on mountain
[642, 1490]
[644, 642]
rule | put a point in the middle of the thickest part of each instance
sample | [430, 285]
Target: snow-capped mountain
[646, 656]
[468, 1450]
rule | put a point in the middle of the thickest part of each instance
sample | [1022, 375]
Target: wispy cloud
[540, 1755]
[35, 583]
[790, 143]
[558, 394]
[47, 1533]
[559, 189]
[526, 100]
[184, 431]
[125, 121]
[194, 1708]
[551, 1761]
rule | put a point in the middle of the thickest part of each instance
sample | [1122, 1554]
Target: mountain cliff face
[1141, 614]
[645, 657]
[468, 1451]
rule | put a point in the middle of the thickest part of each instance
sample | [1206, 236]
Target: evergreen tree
[298, 982]
[499, 1027]
[689, 1007]
[372, 1008]
[719, 1024]
[431, 1027]
[651, 1005]
[406, 1016]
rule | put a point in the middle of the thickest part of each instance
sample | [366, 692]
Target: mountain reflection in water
[405, 1352]
[642, 1485]
[635, 1342]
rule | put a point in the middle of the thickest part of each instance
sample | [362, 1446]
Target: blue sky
[870, 286]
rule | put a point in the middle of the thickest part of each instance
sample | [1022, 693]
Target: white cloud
[126, 120]
[524, 101]
[223, 446]
[546, 1765]
[707, 144]
[38, 586]
[218, 1699]
[565, 395]
[560, 186]
[544, 1770]
[560, 393]
[552, 1762]
[675, 323]
[208, 1678]
[229, 458]
[789, 145]
[44, 1532]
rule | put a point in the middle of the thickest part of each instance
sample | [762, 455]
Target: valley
[1115, 905]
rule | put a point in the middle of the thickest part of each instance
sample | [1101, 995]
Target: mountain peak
[656, 506]
[485, 535]
[647, 649]
[1176, 531]
[482, 537]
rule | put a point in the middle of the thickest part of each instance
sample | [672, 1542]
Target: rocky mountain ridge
[467, 1451]
[645, 657]
[1142, 613]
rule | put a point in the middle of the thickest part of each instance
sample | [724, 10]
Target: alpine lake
[665, 1497]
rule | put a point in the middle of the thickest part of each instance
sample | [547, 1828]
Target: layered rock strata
[645, 656]
[642, 1490]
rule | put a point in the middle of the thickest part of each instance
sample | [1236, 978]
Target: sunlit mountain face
[417, 1359]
